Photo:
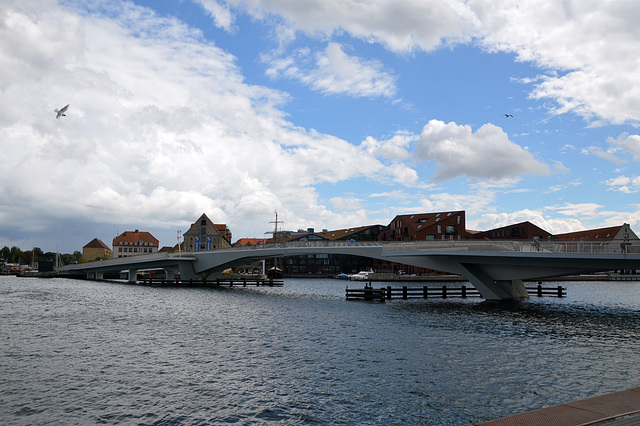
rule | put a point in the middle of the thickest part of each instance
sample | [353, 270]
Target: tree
[5, 254]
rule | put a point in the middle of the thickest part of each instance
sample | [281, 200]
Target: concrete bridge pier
[169, 274]
[97, 275]
[132, 275]
[492, 289]
[186, 271]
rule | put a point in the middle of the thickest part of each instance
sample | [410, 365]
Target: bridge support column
[133, 275]
[492, 289]
[170, 274]
[186, 271]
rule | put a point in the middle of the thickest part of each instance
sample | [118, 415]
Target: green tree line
[15, 255]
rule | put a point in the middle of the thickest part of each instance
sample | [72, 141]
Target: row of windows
[135, 250]
[134, 243]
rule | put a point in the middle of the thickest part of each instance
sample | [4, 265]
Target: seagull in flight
[506, 115]
[61, 112]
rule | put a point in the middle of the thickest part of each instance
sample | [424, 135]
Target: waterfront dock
[426, 292]
[620, 408]
[218, 282]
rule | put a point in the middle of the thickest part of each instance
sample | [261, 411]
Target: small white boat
[361, 276]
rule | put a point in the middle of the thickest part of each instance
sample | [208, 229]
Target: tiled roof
[418, 220]
[250, 241]
[96, 243]
[136, 238]
[609, 232]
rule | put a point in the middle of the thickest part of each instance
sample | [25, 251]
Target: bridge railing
[548, 246]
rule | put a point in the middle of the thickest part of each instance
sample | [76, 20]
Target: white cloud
[401, 26]
[539, 218]
[625, 184]
[161, 128]
[395, 148]
[609, 154]
[588, 47]
[222, 16]
[486, 154]
[628, 143]
[332, 71]
[584, 210]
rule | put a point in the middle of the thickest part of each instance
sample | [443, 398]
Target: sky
[334, 113]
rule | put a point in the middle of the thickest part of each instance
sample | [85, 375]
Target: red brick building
[425, 227]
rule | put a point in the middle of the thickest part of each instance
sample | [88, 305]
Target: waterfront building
[426, 227]
[204, 235]
[323, 264]
[437, 226]
[134, 244]
[96, 250]
[243, 242]
[517, 231]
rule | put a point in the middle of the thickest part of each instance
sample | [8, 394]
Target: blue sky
[335, 113]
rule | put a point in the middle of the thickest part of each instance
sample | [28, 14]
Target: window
[451, 229]
[439, 229]
[459, 220]
[203, 222]
[423, 220]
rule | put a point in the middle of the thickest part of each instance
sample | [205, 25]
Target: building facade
[426, 227]
[323, 264]
[204, 235]
[134, 243]
[96, 250]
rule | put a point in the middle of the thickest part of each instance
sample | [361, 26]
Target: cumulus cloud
[395, 148]
[161, 128]
[625, 184]
[591, 44]
[486, 154]
[539, 218]
[401, 26]
[627, 143]
[332, 71]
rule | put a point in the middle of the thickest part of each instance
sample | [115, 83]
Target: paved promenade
[614, 409]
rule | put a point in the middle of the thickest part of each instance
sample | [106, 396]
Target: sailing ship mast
[275, 231]
[275, 271]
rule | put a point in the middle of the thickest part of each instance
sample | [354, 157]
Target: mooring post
[389, 292]
[404, 292]
[559, 291]
[444, 291]
[425, 292]
[464, 291]
[539, 289]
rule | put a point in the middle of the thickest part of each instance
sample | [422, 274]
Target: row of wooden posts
[218, 282]
[425, 292]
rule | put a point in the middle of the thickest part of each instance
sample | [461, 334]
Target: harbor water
[84, 352]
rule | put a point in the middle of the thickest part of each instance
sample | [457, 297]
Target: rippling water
[81, 352]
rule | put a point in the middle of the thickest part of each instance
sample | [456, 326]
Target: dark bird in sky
[61, 112]
[506, 115]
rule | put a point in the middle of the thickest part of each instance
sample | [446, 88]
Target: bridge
[495, 268]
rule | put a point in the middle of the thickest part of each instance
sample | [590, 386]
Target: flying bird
[61, 112]
[506, 115]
